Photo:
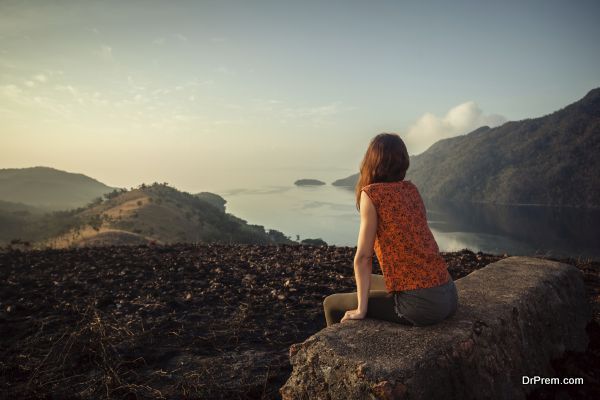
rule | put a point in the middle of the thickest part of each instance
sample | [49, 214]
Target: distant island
[309, 182]
[348, 182]
[551, 161]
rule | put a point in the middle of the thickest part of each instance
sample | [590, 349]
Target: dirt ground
[192, 320]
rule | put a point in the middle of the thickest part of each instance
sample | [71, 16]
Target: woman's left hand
[353, 314]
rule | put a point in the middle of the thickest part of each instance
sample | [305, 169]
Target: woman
[415, 288]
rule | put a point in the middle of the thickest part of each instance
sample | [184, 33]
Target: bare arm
[364, 256]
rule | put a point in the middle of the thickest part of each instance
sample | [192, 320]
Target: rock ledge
[513, 316]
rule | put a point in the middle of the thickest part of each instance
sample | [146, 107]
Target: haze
[212, 95]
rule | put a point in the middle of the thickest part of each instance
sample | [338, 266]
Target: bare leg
[381, 304]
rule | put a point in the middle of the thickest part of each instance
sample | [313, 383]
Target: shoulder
[373, 186]
[390, 186]
[372, 190]
[372, 195]
[413, 189]
[367, 189]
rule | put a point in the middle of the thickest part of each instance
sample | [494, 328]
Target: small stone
[361, 369]
[383, 390]
[294, 349]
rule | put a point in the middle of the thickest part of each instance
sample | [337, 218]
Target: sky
[210, 95]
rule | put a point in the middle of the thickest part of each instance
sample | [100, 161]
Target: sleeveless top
[404, 245]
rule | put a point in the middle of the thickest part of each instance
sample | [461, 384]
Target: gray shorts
[427, 306]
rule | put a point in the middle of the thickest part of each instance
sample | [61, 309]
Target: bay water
[329, 212]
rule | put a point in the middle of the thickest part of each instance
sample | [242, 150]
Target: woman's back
[415, 287]
[405, 247]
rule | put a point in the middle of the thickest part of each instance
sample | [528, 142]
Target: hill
[213, 199]
[550, 160]
[49, 188]
[156, 213]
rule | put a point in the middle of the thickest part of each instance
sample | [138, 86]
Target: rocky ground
[191, 320]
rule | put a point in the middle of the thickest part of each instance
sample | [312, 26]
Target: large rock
[513, 316]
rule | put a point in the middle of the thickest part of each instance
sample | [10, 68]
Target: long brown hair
[386, 160]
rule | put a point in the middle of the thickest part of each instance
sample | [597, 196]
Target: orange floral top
[405, 247]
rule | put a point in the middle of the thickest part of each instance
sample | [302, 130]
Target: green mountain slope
[156, 213]
[550, 160]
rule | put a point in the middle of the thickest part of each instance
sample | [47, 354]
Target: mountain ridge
[548, 160]
[149, 213]
[49, 188]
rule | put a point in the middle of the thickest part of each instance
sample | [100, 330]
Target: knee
[328, 302]
[333, 302]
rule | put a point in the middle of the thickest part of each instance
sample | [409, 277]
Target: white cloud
[181, 37]
[317, 111]
[134, 86]
[40, 78]
[68, 88]
[224, 122]
[225, 70]
[195, 82]
[232, 106]
[105, 52]
[316, 114]
[459, 120]
[12, 91]
[16, 97]
[287, 113]
[159, 41]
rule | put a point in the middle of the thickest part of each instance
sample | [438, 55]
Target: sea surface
[329, 213]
